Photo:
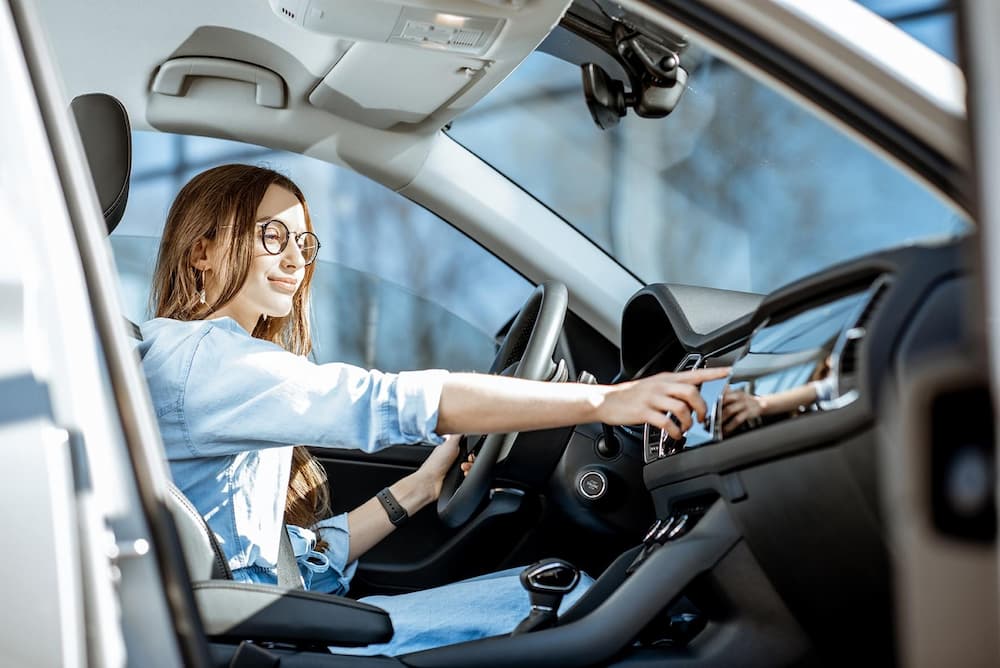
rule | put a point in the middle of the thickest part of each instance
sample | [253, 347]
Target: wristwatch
[396, 512]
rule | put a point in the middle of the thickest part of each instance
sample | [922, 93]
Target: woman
[234, 394]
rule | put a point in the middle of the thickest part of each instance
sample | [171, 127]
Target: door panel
[425, 553]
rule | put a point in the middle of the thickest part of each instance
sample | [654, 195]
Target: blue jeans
[488, 605]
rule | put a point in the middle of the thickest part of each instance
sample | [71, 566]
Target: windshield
[738, 188]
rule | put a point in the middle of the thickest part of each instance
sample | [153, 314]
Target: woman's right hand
[650, 400]
[738, 408]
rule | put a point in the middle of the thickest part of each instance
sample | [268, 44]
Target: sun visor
[418, 63]
[381, 85]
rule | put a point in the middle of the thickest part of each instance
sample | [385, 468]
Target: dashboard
[829, 345]
[793, 489]
[799, 474]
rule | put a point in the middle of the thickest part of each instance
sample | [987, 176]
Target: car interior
[765, 541]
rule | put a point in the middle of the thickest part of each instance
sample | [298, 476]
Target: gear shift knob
[550, 576]
[546, 581]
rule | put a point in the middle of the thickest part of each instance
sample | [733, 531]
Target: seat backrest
[205, 559]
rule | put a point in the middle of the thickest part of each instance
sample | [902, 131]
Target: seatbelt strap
[288, 566]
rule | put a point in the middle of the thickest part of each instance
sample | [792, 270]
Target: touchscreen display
[786, 369]
[660, 444]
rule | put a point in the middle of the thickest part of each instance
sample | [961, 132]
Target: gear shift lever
[546, 581]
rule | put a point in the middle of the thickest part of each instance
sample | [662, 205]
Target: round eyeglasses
[274, 234]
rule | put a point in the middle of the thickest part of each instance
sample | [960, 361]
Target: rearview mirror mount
[605, 96]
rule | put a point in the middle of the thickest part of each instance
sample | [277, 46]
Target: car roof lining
[100, 48]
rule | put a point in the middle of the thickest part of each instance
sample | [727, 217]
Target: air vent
[848, 358]
[690, 362]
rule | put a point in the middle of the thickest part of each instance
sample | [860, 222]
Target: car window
[931, 22]
[396, 287]
[738, 188]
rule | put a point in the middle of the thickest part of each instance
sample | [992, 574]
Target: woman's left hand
[467, 464]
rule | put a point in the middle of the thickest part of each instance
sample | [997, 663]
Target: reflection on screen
[787, 369]
[704, 432]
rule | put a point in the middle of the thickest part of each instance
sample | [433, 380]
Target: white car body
[82, 477]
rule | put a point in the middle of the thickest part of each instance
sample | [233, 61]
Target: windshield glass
[738, 188]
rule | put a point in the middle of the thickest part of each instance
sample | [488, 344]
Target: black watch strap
[397, 514]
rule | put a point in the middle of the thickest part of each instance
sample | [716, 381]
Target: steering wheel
[529, 343]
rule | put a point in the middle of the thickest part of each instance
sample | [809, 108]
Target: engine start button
[592, 485]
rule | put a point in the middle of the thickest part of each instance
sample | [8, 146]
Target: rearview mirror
[608, 101]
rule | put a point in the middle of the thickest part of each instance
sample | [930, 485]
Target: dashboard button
[652, 452]
[652, 530]
[592, 485]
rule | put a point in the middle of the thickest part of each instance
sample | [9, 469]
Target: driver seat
[230, 610]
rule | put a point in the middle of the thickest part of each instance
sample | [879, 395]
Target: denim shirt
[231, 407]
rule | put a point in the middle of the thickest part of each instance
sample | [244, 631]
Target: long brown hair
[221, 204]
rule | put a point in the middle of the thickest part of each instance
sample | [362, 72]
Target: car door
[77, 446]
[941, 450]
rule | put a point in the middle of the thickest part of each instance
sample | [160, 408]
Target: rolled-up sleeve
[243, 393]
[417, 395]
[325, 570]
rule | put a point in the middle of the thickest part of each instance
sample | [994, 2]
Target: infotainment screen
[789, 367]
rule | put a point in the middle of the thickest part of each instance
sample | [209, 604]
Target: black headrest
[107, 141]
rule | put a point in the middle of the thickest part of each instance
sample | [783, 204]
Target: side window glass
[396, 287]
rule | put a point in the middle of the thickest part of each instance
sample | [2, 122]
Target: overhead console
[439, 27]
